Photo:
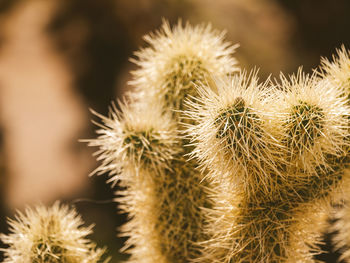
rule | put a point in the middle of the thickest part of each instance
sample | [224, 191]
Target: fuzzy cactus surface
[216, 166]
[143, 145]
[271, 150]
[49, 234]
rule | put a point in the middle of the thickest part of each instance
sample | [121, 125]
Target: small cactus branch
[53, 235]
[164, 196]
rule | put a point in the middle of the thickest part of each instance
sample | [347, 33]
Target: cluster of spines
[163, 193]
[235, 135]
[316, 121]
[337, 72]
[176, 60]
[133, 138]
[55, 234]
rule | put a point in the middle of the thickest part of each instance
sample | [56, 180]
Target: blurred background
[58, 58]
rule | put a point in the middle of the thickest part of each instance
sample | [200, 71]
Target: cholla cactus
[271, 153]
[272, 156]
[236, 140]
[50, 235]
[143, 145]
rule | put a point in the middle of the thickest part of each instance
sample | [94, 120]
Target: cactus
[50, 235]
[217, 167]
[271, 152]
[142, 146]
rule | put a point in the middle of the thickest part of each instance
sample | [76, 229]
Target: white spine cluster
[177, 59]
[315, 121]
[338, 70]
[50, 235]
